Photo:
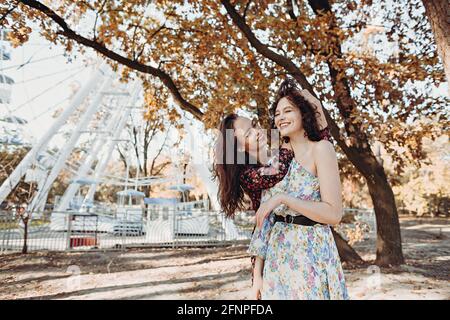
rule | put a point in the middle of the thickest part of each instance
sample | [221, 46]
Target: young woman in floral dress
[296, 253]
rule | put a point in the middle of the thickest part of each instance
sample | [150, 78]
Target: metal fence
[60, 231]
[86, 231]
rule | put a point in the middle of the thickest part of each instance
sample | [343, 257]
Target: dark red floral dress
[258, 177]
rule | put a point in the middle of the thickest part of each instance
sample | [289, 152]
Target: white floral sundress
[301, 262]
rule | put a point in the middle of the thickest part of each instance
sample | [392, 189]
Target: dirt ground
[219, 273]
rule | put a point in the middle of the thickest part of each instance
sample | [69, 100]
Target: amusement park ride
[11, 133]
[103, 105]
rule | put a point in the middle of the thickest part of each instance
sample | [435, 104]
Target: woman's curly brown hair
[289, 89]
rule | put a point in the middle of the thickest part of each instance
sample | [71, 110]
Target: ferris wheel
[99, 110]
[11, 127]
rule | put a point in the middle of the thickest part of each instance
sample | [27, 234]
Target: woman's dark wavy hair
[289, 89]
[230, 193]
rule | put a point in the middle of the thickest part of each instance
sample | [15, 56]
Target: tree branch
[344, 100]
[69, 33]
[246, 9]
[122, 157]
[290, 7]
[160, 168]
[264, 49]
[136, 147]
[287, 64]
[8, 12]
[96, 18]
[152, 172]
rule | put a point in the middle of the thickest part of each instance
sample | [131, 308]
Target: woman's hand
[310, 98]
[257, 274]
[316, 103]
[266, 208]
[257, 287]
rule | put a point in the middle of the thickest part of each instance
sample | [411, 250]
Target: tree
[22, 213]
[151, 133]
[21, 195]
[423, 189]
[215, 57]
[438, 14]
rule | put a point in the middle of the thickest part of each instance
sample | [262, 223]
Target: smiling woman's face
[288, 118]
[249, 135]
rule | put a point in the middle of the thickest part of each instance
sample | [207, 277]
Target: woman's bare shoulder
[323, 148]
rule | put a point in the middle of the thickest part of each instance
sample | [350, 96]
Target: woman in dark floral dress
[248, 169]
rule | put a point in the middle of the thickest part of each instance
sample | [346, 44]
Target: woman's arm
[320, 115]
[259, 265]
[329, 209]
[257, 279]
[322, 121]
[259, 178]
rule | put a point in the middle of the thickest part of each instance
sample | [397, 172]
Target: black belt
[302, 220]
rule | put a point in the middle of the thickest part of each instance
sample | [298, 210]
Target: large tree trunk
[25, 237]
[389, 245]
[346, 252]
[438, 13]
